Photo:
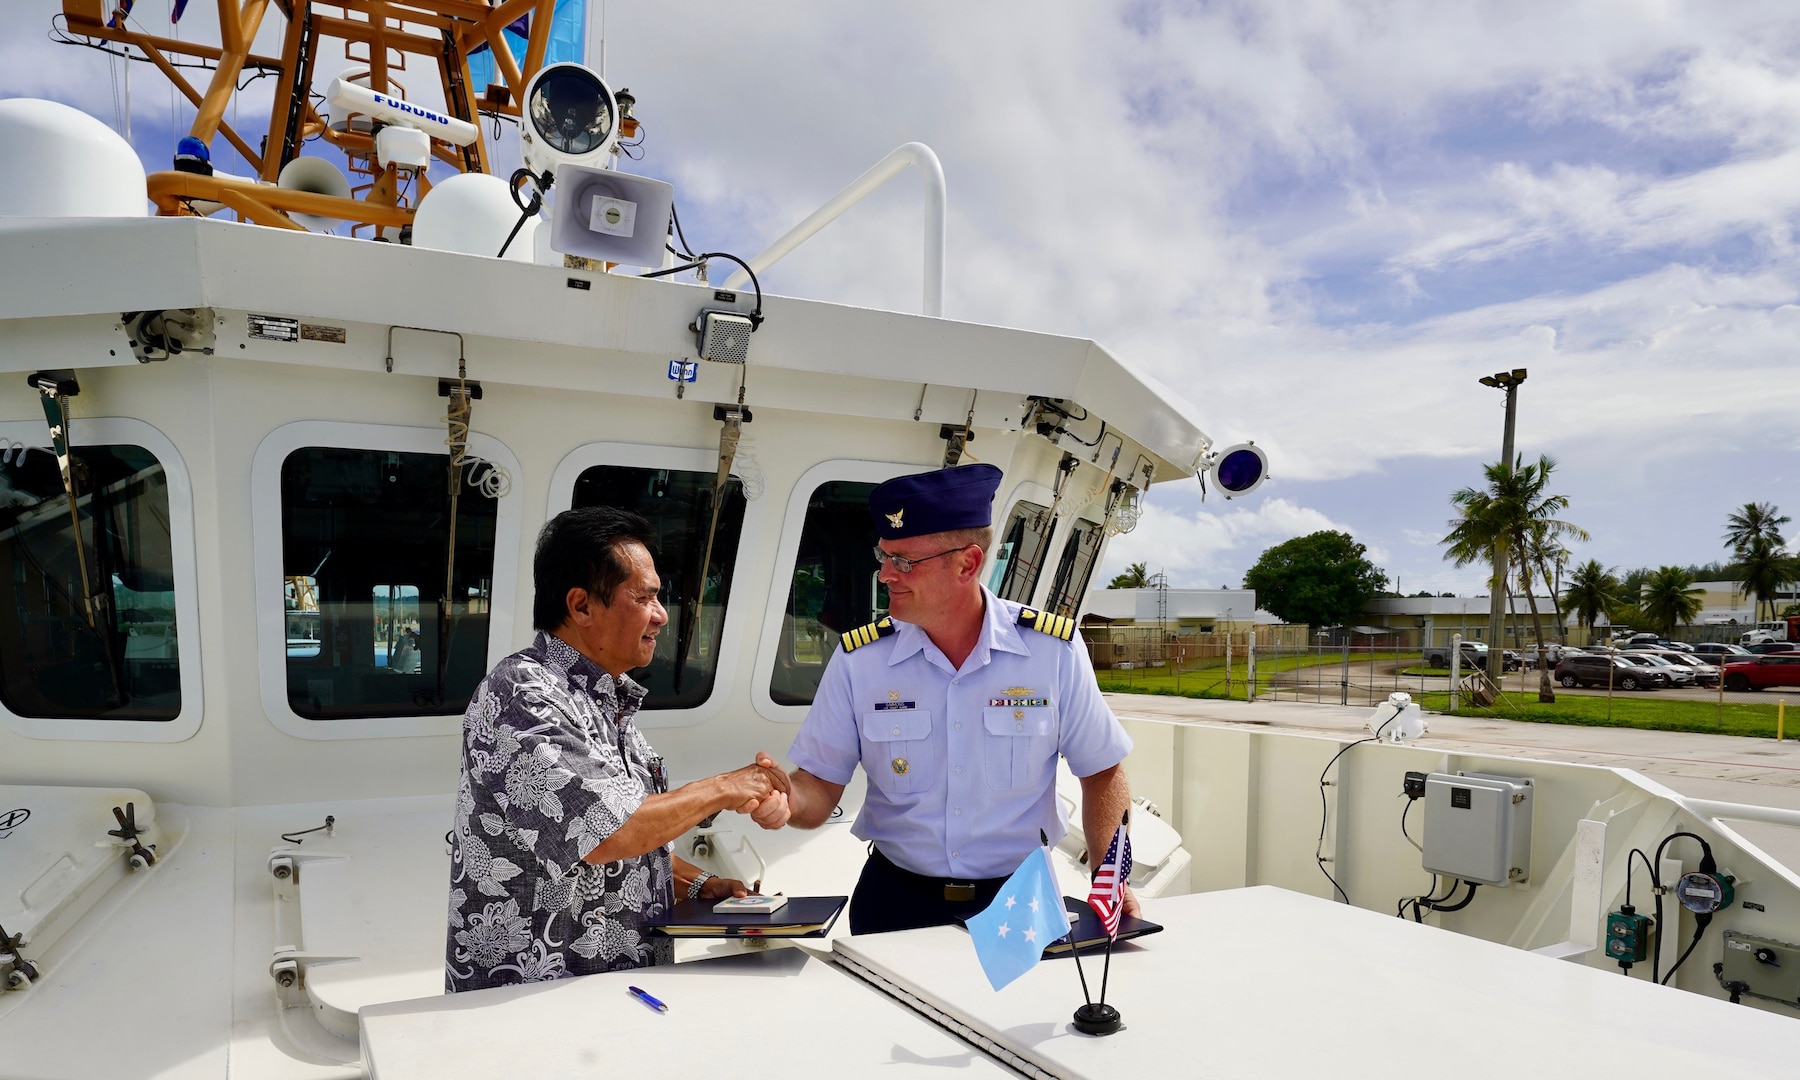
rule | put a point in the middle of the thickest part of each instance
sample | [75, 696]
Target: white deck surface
[779, 1013]
[1265, 982]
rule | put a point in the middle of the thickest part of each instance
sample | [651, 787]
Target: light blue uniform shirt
[961, 764]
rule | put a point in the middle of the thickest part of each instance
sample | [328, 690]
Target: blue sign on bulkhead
[684, 370]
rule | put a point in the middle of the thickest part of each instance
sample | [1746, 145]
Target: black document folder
[1090, 934]
[800, 917]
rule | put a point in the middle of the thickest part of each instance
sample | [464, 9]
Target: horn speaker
[319, 177]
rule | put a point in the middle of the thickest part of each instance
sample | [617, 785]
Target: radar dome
[472, 213]
[61, 162]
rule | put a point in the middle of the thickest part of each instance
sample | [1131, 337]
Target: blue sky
[1319, 221]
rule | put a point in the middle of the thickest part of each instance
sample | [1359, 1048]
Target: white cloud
[1203, 548]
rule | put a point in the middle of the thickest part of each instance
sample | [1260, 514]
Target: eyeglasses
[904, 565]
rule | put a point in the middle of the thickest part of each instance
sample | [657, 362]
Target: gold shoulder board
[1044, 622]
[862, 635]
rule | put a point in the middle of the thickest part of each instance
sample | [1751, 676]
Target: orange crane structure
[384, 35]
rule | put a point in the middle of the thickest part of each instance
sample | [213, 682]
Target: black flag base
[1101, 1019]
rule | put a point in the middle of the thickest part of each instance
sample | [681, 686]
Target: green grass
[1644, 711]
[1206, 678]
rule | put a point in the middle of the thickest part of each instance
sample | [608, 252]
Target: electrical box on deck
[1478, 827]
[1628, 937]
[1760, 967]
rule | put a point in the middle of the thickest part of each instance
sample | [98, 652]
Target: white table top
[779, 1013]
[1266, 982]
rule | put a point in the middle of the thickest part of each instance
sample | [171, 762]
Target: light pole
[1496, 660]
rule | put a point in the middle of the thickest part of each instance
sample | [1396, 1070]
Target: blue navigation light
[1240, 470]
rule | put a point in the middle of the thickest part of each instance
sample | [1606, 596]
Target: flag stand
[1097, 1017]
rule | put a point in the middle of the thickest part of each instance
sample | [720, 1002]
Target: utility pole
[1496, 659]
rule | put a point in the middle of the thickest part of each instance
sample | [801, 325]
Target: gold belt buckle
[958, 894]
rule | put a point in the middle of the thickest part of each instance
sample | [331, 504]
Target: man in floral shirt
[560, 856]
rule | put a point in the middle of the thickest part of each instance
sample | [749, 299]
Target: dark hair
[579, 549]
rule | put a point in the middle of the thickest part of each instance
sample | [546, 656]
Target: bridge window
[1079, 554]
[833, 588]
[679, 504]
[381, 620]
[90, 626]
[1020, 550]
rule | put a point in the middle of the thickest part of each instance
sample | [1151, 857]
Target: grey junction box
[1478, 827]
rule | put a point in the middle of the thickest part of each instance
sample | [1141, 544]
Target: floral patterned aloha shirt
[552, 765]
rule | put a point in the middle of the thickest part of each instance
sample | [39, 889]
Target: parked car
[1553, 654]
[1474, 655]
[1718, 652]
[1773, 647]
[1761, 672]
[1623, 673]
[1641, 638]
[1705, 674]
[1679, 675]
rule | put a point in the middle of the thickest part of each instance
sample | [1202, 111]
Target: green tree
[1754, 521]
[1503, 524]
[1136, 576]
[1764, 568]
[1670, 597]
[1593, 591]
[1322, 579]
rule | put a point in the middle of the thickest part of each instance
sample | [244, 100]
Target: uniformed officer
[956, 706]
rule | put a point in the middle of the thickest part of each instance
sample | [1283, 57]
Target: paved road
[1724, 767]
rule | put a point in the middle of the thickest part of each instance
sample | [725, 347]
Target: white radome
[60, 162]
[472, 213]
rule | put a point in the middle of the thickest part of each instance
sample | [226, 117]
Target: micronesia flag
[1025, 916]
[1107, 897]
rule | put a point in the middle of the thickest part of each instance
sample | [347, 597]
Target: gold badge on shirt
[900, 766]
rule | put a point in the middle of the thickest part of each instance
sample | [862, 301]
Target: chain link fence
[1279, 663]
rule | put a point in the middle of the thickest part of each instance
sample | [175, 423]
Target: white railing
[920, 157]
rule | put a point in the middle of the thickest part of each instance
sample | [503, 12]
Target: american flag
[1107, 895]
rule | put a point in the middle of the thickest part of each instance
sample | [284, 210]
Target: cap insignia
[894, 518]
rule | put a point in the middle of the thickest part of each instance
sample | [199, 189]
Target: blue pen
[647, 999]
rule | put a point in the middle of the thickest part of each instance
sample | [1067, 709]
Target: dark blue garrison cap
[934, 502]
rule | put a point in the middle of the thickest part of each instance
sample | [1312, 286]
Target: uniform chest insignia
[895, 706]
[1045, 622]
[895, 522]
[900, 766]
[863, 635]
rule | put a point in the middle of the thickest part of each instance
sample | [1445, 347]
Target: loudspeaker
[320, 177]
[610, 216]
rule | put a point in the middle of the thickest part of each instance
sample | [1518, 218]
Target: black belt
[955, 892]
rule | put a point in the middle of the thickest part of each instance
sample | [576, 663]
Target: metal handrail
[1730, 811]
[919, 156]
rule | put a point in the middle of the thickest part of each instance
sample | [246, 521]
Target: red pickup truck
[1758, 673]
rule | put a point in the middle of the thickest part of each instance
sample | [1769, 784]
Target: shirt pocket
[1017, 744]
[893, 744]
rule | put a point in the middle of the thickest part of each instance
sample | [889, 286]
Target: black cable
[686, 252]
[1324, 815]
[1650, 869]
[1405, 810]
[1441, 907]
[756, 317]
[539, 184]
[1701, 922]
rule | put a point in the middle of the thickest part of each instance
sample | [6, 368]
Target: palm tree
[1754, 521]
[1544, 553]
[1593, 590]
[1764, 568]
[1509, 515]
[1670, 597]
[1136, 576]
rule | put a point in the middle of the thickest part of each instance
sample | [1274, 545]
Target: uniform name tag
[1018, 702]
[887, 706]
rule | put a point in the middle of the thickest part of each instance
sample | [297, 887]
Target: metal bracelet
[698, 883]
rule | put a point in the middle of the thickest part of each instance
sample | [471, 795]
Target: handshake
[762, 790]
